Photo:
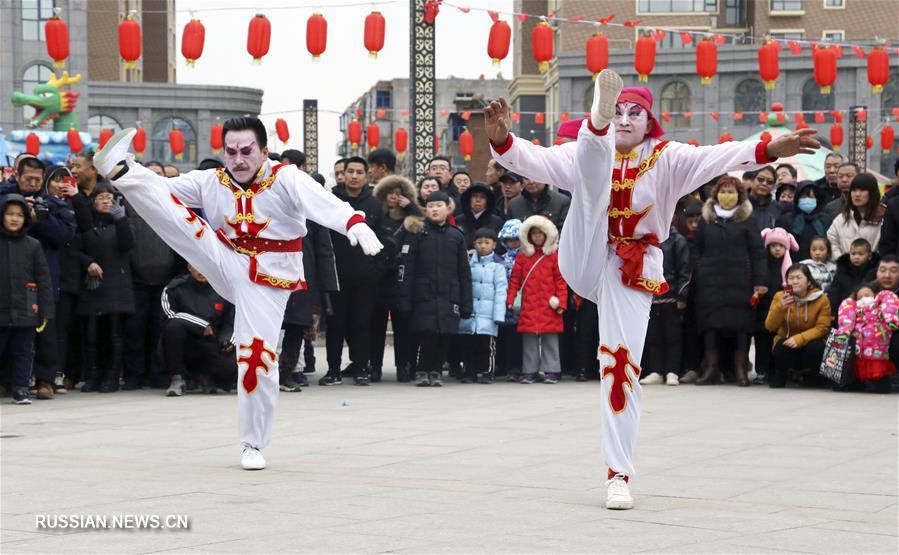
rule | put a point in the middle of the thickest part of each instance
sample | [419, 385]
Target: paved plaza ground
[504, 468]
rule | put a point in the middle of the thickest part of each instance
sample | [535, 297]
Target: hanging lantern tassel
[878, 69]
[130, 40]
[498, 41]
[542, 45]
[644, 57]
[139, 143]
[176, 143]
[259, 36]
[706, 61]
[374, 34]
[887, 135]
[282, 130]
[769, 64]
[401, 141]
[354, 133]
[466, 144]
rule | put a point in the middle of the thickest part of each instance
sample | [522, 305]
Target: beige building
[158, 55]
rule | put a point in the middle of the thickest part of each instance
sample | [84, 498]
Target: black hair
[88, 156]
[156, 163]
[441, 157]
[29, 162]
[356, 160]
[889, 258]
[861, 242]
[50, 172]
[210, 164]
[853, 164]
[103, 187]
[789, 167]
[247, 122]
[294, 156]
[426, 178]
[826, 242]
[863, 182]
[383, 157]
[461, 172]
[872, 285]
[341, 161]
[896, 166]
[800, 267]
[749, 174]
[765, 169]
[274, 157]
[318, 178]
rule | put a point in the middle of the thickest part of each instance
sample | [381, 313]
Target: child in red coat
[544, 295]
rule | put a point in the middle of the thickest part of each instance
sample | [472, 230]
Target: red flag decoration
[769, 63]
[564, 116]
[465, 116]
[693, 142]
[825, 62]
[558, 141]
[597, 53]
[176, 143]
[139, 142]
[720, 39]
[374, 33]
[631, 23]
[878, 69]
[259, 36]
[536, 141]
[466, 144]
[859, 51]
[801, 125]
[215, 137]
[895, 113]
[738, 116]
[380, 113]
[666, 117]
[32, 144]
[57, 34]
[658, 35]
[444, 113]
[74, 139]
[606, 20]
[725, 138]
[542, 45]
[644, 57]
[837, 116]
[706, 61]
[316, 35]
[763, 117]
[282, 130]
[401, 141]
[715, 116]
[522, 17]
[405, 113]
[193, 38]
[686, 38]
[494, 16]
[836, 136]
[819, 117]
[105, 135]
[373, 135]
[539, 117]
[887, 135]
[498, 41]
[516, 116]
[130, 41]
[861, 114]
[795, 47]
[354, 133]
[765, 136]
[799, 117]
[359, 112]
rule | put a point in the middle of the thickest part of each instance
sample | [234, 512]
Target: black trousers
[763, 342]
[403, 340]
[808, 357]
[586, 338]
[188, 353]
[664, 336]
[46, 353]
[692, 344]
[434, 348]
[103, 357]
[293, 342]
[69, 331]
[351, 321]
[478, 353]
[142, 330]
[508, 350]
[17, 347]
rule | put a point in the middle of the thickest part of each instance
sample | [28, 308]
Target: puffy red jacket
[545, 284]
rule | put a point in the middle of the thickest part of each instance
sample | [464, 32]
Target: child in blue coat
[508, 340]
[489, 284]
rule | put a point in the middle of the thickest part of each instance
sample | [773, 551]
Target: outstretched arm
[187, 187]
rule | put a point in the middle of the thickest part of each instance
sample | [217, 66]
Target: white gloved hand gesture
[362, 235]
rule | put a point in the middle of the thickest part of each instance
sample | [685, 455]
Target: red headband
[637, 99]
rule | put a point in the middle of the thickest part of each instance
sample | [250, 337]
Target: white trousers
[259, 310]
[590, 266]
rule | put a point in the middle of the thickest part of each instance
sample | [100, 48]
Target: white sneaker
[251, 458]
[618, 496]
[752, 375]
[115, 150]
[671, 379]
[176, 386]
[605, 95]
[689, 377]
[653, 379]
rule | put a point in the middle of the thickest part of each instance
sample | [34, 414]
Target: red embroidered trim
[503, 148]
[355, 219]
[761, 154]
[596, 131]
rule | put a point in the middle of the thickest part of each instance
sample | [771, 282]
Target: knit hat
[485, 233]
[638, 95]
[438, 196]
[780, 236]
[510, 229]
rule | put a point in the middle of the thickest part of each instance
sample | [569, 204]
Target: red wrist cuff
[596, 131]
[356, 219]
[761, 155]
[503, 148]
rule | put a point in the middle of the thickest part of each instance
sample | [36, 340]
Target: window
[160, 148]
[749, 96]
[676, 99]
[834, 4]
[836, 36]
[96, 124]
[813, 101]
[34, 14]
[677, 6]
[889, 100]
[35, 75]
[787, 5]
[735, 13]
[788, 35]
[382, 99]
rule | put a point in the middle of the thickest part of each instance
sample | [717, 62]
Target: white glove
[362, 235]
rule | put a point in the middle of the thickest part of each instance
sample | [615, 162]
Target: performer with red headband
[625, 183]
[249, 247]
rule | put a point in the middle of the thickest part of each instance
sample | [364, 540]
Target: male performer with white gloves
[249, 247]
[625, 183]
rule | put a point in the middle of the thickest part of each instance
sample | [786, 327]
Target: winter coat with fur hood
[26, 288]
[545, 290]
[807, 319]
[469, 223]
[392, 223]
[730, 262]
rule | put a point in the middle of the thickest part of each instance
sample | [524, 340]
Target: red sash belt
[631, 252]
[252, 246]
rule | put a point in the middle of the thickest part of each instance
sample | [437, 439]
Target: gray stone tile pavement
[504, 468]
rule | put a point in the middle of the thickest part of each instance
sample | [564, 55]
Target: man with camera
[54, 226]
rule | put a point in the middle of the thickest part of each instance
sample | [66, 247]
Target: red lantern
[139, 143]
[466, 144]
[769, 63]
[706, 60]
[825, 61]
[373, 135]
[74, 139]
[536, 141]
[380, 113]
[597, 54]
[176, 143]
[281, 129]
[542, 45]
[693, 142]
[105, 135]
[354, 133]
[401, 141]
[869, 142]
[192, 40]
[259, 35]
[57, 33]
[374, 33]
[644, 57]
[801, 125]
[431, 9]
[861, 114]
[765, 137]
[564, 116]
[130, 41]
[498, 41]
[32, 144]
[215, 137]
[539, 118]
[316, 35]
[726, 137]
[836, 136]
[887, 135]
[878, 69]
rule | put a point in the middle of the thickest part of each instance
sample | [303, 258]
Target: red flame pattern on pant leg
[620, 377]
[255, 361]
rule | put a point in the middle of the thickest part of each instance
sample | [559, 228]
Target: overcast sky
[288, 74]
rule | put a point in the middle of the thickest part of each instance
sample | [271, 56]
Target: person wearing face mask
[806, 221]
[625, 183]
[870, 315]
[249, 247]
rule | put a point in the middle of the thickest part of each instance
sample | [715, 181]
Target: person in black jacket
[664, 336]
[889, 231]
[765, 209]
[807, 221]
[26, 292]
[436, 278]
[359, 276]
[478, 211]
[107, 295]
[196, 334]
[853, 268]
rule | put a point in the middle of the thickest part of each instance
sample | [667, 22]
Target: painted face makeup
[631, 125]
[243, 157]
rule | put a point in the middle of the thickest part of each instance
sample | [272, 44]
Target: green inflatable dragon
[51, 103]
